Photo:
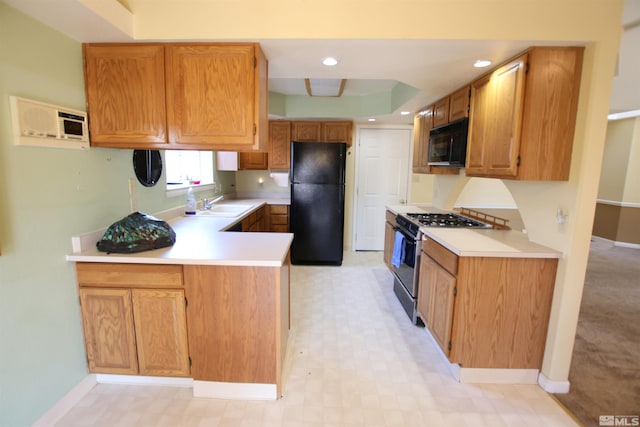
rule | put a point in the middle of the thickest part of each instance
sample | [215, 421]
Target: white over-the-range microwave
[40, 124]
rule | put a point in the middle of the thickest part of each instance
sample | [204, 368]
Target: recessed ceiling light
[405, 113]
[371, 120]
[480, 63]
[330, 62]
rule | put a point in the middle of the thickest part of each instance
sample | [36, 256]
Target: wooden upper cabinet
[253, 160]
[214, 96]
[318, 131]
[200, 96]
[338, 131]
[279, 144]
[125, 93]
[494, 132]
[306, 131]
[422, 124]
[441, 112]
[459, 104]
[522, 118]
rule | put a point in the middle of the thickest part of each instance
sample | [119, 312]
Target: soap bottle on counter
[190, 208]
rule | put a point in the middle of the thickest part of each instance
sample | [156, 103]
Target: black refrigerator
[317, 202]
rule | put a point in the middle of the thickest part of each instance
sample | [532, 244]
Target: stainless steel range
[408, 248]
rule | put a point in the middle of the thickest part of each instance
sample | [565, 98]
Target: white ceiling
[434, 67]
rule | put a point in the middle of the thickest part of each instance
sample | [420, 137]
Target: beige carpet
[605, 369]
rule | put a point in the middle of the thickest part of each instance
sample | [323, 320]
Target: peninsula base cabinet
[486, 312]
[238, 323]
[132, 323]
[214, 323]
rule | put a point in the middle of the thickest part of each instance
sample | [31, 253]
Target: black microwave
[448, 144]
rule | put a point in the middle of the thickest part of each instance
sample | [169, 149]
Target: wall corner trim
[552, 386]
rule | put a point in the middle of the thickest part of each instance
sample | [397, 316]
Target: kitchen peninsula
[213, 307]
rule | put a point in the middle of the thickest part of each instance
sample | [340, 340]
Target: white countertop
[199, 241]
[475, 242]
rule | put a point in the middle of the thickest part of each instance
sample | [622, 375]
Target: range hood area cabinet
[523, 116]
[448, 109]
[194, 96]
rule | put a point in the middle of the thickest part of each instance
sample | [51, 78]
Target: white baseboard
[484, 375]
[143, 380]
[498, 376]
[616, 243]
[552, 386]
[242, 391]
[68, 401]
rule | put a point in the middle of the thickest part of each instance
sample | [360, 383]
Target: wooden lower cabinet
[159, 318]
[486, 312]
[255, 221]
[108, 330]
[133, 323]
[389, 238]
[238, 322]
[278, 218]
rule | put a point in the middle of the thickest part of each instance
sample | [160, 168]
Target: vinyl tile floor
[354, 359]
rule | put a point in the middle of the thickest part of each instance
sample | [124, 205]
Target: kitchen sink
[231, 210]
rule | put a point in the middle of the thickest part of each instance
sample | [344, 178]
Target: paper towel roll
[281, 178]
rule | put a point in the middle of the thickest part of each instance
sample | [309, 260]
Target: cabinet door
[253, 160]
[125, 89]
[211, 95]
[442, 290]
[496, 121]
[389, 240]
[161, 331]
[337, 132]
[441, 112]
[307, 131]
[422, 124]
[459, 104]
[108, 330]
[424, 303]
[279, 145]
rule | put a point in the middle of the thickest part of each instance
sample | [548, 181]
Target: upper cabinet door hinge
[518, 161]
[255, 129]
[455, 291]
[186, 303]
[255, 62]
[449, 346]
[526, 67]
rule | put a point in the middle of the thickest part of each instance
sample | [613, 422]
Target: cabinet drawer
[443, 256]
[279, 220]
[279, 209]
[129, 275]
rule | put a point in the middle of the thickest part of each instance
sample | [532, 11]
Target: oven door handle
[404, 232]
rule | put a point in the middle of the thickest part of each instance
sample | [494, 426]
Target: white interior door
[383, 164]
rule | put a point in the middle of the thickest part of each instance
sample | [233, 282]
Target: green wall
[48, 195]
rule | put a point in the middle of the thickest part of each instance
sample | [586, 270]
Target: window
[188, 168]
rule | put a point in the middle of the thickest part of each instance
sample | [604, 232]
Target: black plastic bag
[137, 232]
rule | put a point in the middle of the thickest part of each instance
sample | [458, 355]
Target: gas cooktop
[445, 220]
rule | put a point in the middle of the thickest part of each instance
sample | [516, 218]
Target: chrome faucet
[208, 203]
